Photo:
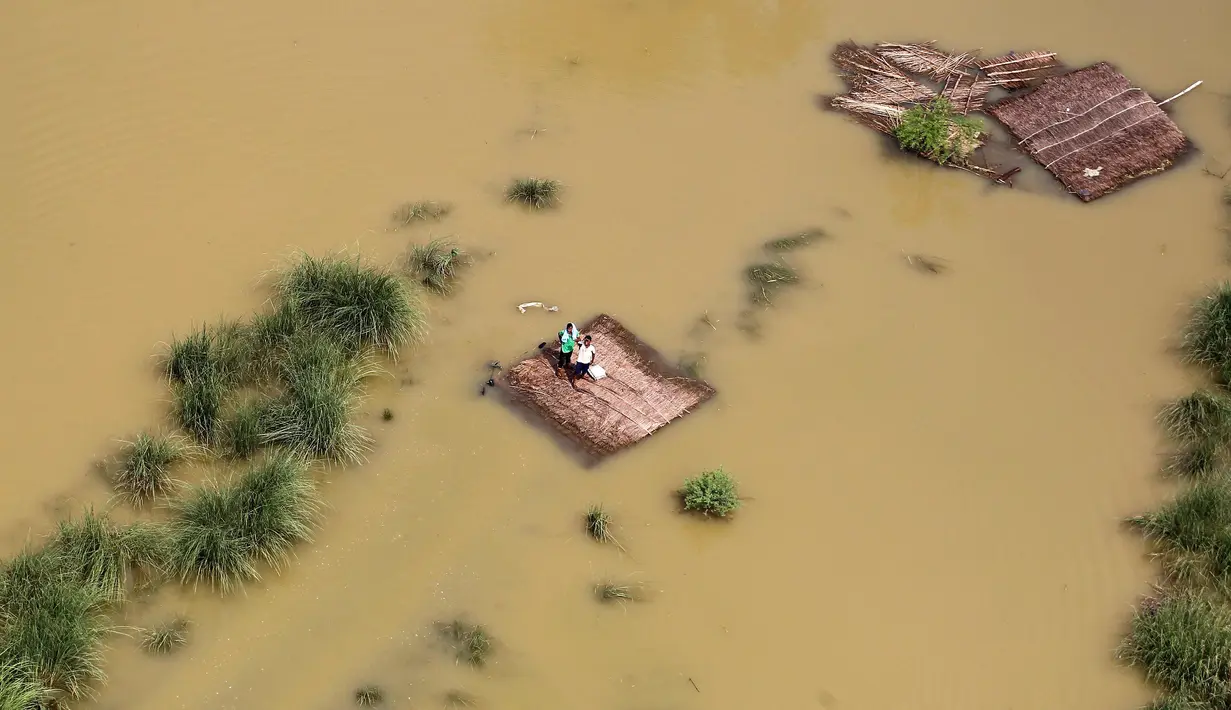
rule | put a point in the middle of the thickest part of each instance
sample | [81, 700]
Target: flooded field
[935, 466]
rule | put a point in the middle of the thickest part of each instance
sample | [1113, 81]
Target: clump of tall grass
[1183, 643]
[221, 532]
[270, 333]
[408, 213]
[598, 525]
[315, 413]
[1193, 533]
[54, 626]
[472, 644]
[243, 429]
[766, 279]
[1207, 337]
[145, 464]
[936, 131]
[94, 551]
[197, 404]
[355, 304]
[369, 696]
[437, 265]
[617, 592]
[1204, 415]
[711, 493]
[18, 688]
[1197, 459]
[223, 351]
[796, 240]
[165, 637]
[534, 193]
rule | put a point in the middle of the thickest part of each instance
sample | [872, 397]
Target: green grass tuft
[712, 493]
[369, 696]
[408, 213]
[98, 553]
[145, 467]
[534, 193]
[353, 303]
[386, 415]
[221, 532]
[615, 592]
[598, 525]
[243, 430]
[1204, 415]
[437, 265]
[1183, 643]
[1197, 460]
[18, 688]
[54, 626]
[1207, 337]
[197, 405]
[223, 351]
[1193, 533]
[166, 637]
[796, 240]
[936, 131]
[766, 279]
[270, 334]
[471, 643]
[322, 391]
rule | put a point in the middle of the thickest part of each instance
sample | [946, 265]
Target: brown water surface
[934, 466]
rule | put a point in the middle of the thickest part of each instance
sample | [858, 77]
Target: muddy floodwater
[935, 466]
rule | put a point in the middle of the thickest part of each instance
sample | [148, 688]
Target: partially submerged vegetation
[796, 240]
[471, 643]
[713, 493]
[766, 279]
[598, 525]
[618, 592]
[938, 132]
[1183, 644]
[409, 213]
[437, 265]
[369, 696]
[166, 637]
[144, 469]
[534, 193]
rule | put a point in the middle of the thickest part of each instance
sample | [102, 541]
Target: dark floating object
[482, 391]
[495, 364]
[491, 382]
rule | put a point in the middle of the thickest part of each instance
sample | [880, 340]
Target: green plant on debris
[934, 130]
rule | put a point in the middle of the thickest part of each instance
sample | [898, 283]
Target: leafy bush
[936, 131]
[711, 493]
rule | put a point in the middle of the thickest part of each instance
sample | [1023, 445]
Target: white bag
[597, 372]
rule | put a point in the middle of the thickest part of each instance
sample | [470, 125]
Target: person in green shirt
[568, 343]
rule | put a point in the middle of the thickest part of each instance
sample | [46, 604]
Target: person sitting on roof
[568, 341]
[585, 356]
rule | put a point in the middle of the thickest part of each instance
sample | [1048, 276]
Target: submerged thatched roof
[640, 394]
[1093, 130]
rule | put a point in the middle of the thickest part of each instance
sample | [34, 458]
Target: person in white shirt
[585, 356]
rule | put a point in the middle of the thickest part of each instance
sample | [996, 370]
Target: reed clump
[166, 637]
[243, 431]
[796, 240]
[437, 265]
[145, 463]
[1207, 337]
[96, 552]
[1182, 641]
[1193, 534]
[18, 688]
[618, 592]
[357, 305]
[534, 193]
[221, 532]
[471, 643]
[197, 403]
[598, 525]
[713, 493]
[1203, 416]
[54, 626]
[766, 280]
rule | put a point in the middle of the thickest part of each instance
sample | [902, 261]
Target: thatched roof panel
[1016, 71]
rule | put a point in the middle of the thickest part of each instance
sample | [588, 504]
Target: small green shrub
[145, 466]
[712, 493]
[1183, 643]
[936, 131]
[437, 265]
[353, 303]
[534, 193]
[166, 637]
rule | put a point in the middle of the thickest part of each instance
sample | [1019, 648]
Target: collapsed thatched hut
[640, 394]
[1093, 130]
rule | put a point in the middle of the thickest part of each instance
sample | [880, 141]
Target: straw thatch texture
[874, 79]
[1093, 130]
[926, 59]
[640, 395]
[1017, 71]
[966, 92]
